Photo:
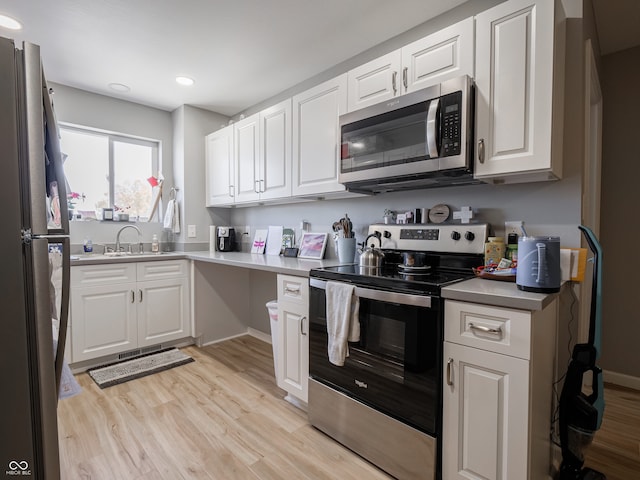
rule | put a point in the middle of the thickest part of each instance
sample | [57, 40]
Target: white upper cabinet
[274, 178]
[519, 91]
[445, 54]
[219, 167]
[246, 164]
[316, 137]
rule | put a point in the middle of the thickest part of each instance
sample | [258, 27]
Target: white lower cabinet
[123, 306]
[497, 395]
[293, 340]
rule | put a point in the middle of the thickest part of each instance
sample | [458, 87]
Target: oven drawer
[293, 289]
[496, 329]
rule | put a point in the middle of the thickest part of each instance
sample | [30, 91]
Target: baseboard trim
[265, 337]
[621, 379]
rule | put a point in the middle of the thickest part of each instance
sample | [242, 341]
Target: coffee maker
[225, 239]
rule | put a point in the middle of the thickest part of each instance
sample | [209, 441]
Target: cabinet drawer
[293, 289]
[495, 329]
[161, 269]
[107, 274]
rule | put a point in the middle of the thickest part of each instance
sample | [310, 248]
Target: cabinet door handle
[256, 188]
[301, 323]
[483, 329]
[140, 293]
[481, 150]
[231, 191]
[449, 368]
[261, 185]
[292, 290]
[404, 79]
[133, 296]
[394, 76]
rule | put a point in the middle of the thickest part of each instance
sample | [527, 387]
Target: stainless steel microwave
[422, 139]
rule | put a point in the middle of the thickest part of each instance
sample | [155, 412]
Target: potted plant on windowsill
[72, 198]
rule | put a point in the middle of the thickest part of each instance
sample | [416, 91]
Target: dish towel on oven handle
[343, 324]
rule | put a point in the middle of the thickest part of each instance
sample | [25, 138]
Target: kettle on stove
[538, 264]
[371, 257]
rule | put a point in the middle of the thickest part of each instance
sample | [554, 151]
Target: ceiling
[618, 24]
[240, 52]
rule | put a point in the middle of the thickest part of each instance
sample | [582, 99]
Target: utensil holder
[346, 249]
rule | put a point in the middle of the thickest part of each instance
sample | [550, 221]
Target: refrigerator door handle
[64, 309]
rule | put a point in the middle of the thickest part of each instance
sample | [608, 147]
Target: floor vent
[132, 353]
[155, 348]
[139, 351]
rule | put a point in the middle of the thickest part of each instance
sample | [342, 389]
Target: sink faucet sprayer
[139, 237]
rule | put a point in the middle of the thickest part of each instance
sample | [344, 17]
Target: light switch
[191, 231]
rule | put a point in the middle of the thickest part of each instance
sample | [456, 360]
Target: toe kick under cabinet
[123, 307]
[497, 396]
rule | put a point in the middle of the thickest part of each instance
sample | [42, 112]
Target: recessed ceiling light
[119, 87]
[185, 81]
[10, 23]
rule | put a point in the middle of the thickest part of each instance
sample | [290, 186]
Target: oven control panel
[461, 238]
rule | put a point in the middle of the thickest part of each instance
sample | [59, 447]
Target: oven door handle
[381, 295]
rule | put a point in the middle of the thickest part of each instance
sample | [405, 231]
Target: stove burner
[406, 269]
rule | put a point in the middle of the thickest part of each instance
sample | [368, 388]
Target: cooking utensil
[371, 257]
[414, 259]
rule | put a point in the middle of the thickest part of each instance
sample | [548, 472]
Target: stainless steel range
[385, 401]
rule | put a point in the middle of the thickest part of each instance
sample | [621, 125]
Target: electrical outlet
[514, 226]
[191, 231]
[246, 237]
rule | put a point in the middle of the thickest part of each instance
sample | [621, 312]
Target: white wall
[190, 126]
[87, 109]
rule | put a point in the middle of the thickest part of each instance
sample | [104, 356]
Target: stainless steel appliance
[225, 239]
[34, 216]
[422, 139]
[385, 403]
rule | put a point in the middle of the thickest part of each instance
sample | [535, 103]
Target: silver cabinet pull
[481, 150]
[301, 323]
[133, 296]
[256, 187]
[394, 76]
[140, 293]
[261, 185]
[231, 191]
[404, 79]
[292, 290]
[483, 329]
[449, 367]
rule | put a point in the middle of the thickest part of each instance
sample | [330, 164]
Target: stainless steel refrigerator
[34, 215]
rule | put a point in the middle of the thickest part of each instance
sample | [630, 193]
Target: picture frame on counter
[313, 245]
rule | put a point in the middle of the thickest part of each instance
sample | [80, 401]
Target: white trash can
[272, 306]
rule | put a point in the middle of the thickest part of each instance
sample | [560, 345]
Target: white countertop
[493, 292]
[271, 263]
[257, 261]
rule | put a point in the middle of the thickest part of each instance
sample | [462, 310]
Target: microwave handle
[432, 140]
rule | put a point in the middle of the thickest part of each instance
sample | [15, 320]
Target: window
[107, 170]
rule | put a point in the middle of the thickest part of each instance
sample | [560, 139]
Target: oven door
[395, 367]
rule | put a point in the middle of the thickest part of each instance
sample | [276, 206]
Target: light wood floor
[220, 417]
[223, 417]
[615, 450]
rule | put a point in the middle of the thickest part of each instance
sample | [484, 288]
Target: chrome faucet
[120, 231]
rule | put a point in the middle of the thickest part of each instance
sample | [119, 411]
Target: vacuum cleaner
[580, 414]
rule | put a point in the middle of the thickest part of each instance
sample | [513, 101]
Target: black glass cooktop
[392, 277]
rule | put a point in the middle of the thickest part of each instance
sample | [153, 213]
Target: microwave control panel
[451, 124]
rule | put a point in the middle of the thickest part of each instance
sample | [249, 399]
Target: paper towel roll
[212, 238]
